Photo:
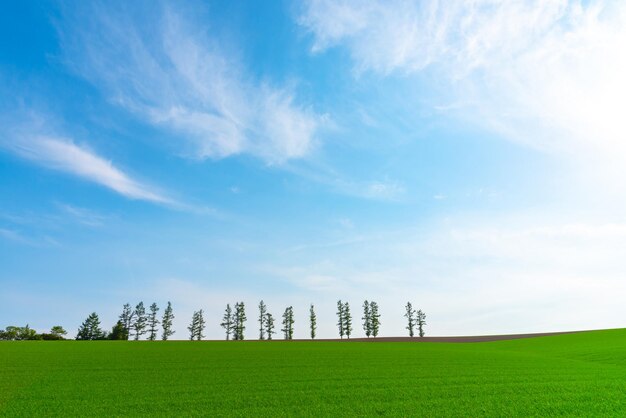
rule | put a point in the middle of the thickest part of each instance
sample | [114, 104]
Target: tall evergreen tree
[367, 319]
[166, 323]
[288, 323]
[340, 316]
[410, 316]
[153, 322]
[347, 320]
[200, 325]
[375, 318]
[228, 322]
[262, 312]
[313, 321]
[140, 321]
[84, 332]
[240, 320]
[96, 332]
[90, 329]
[420, 319]
[193, 326]
[291, 322]
[126, 317]
[197, 326]
[269, 325]
[235, 322]
[118, 332]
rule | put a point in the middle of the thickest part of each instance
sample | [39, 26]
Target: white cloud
[18, 237]
[346, 223]
[13, 236]
[497, 275]
[82, 215]
[549, 74]
[384, 190]
[175, 76]
[62, 154]
[474, 276]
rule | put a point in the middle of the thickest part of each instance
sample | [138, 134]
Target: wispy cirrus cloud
[13, 236]
[489, 274]
[169, 72]
[83, 216]
[408, 35]
[548, 74]
[63, 154]
[20, 238]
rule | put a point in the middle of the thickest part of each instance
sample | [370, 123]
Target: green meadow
[572, 374]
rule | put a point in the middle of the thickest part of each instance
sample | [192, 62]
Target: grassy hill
[571, 374]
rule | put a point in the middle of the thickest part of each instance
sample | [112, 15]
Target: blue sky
[467, 157]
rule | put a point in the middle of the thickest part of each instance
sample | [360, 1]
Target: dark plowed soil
[466, 339]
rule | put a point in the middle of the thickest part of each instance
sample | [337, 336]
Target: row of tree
[415, 319]
[132, 323]
[233, 321]
[13, 333]
[371, 319]
[136, 323]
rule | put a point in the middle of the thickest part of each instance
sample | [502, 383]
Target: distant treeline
[137, 324]
[13, 333]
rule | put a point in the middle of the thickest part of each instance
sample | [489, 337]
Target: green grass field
[574, 374]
